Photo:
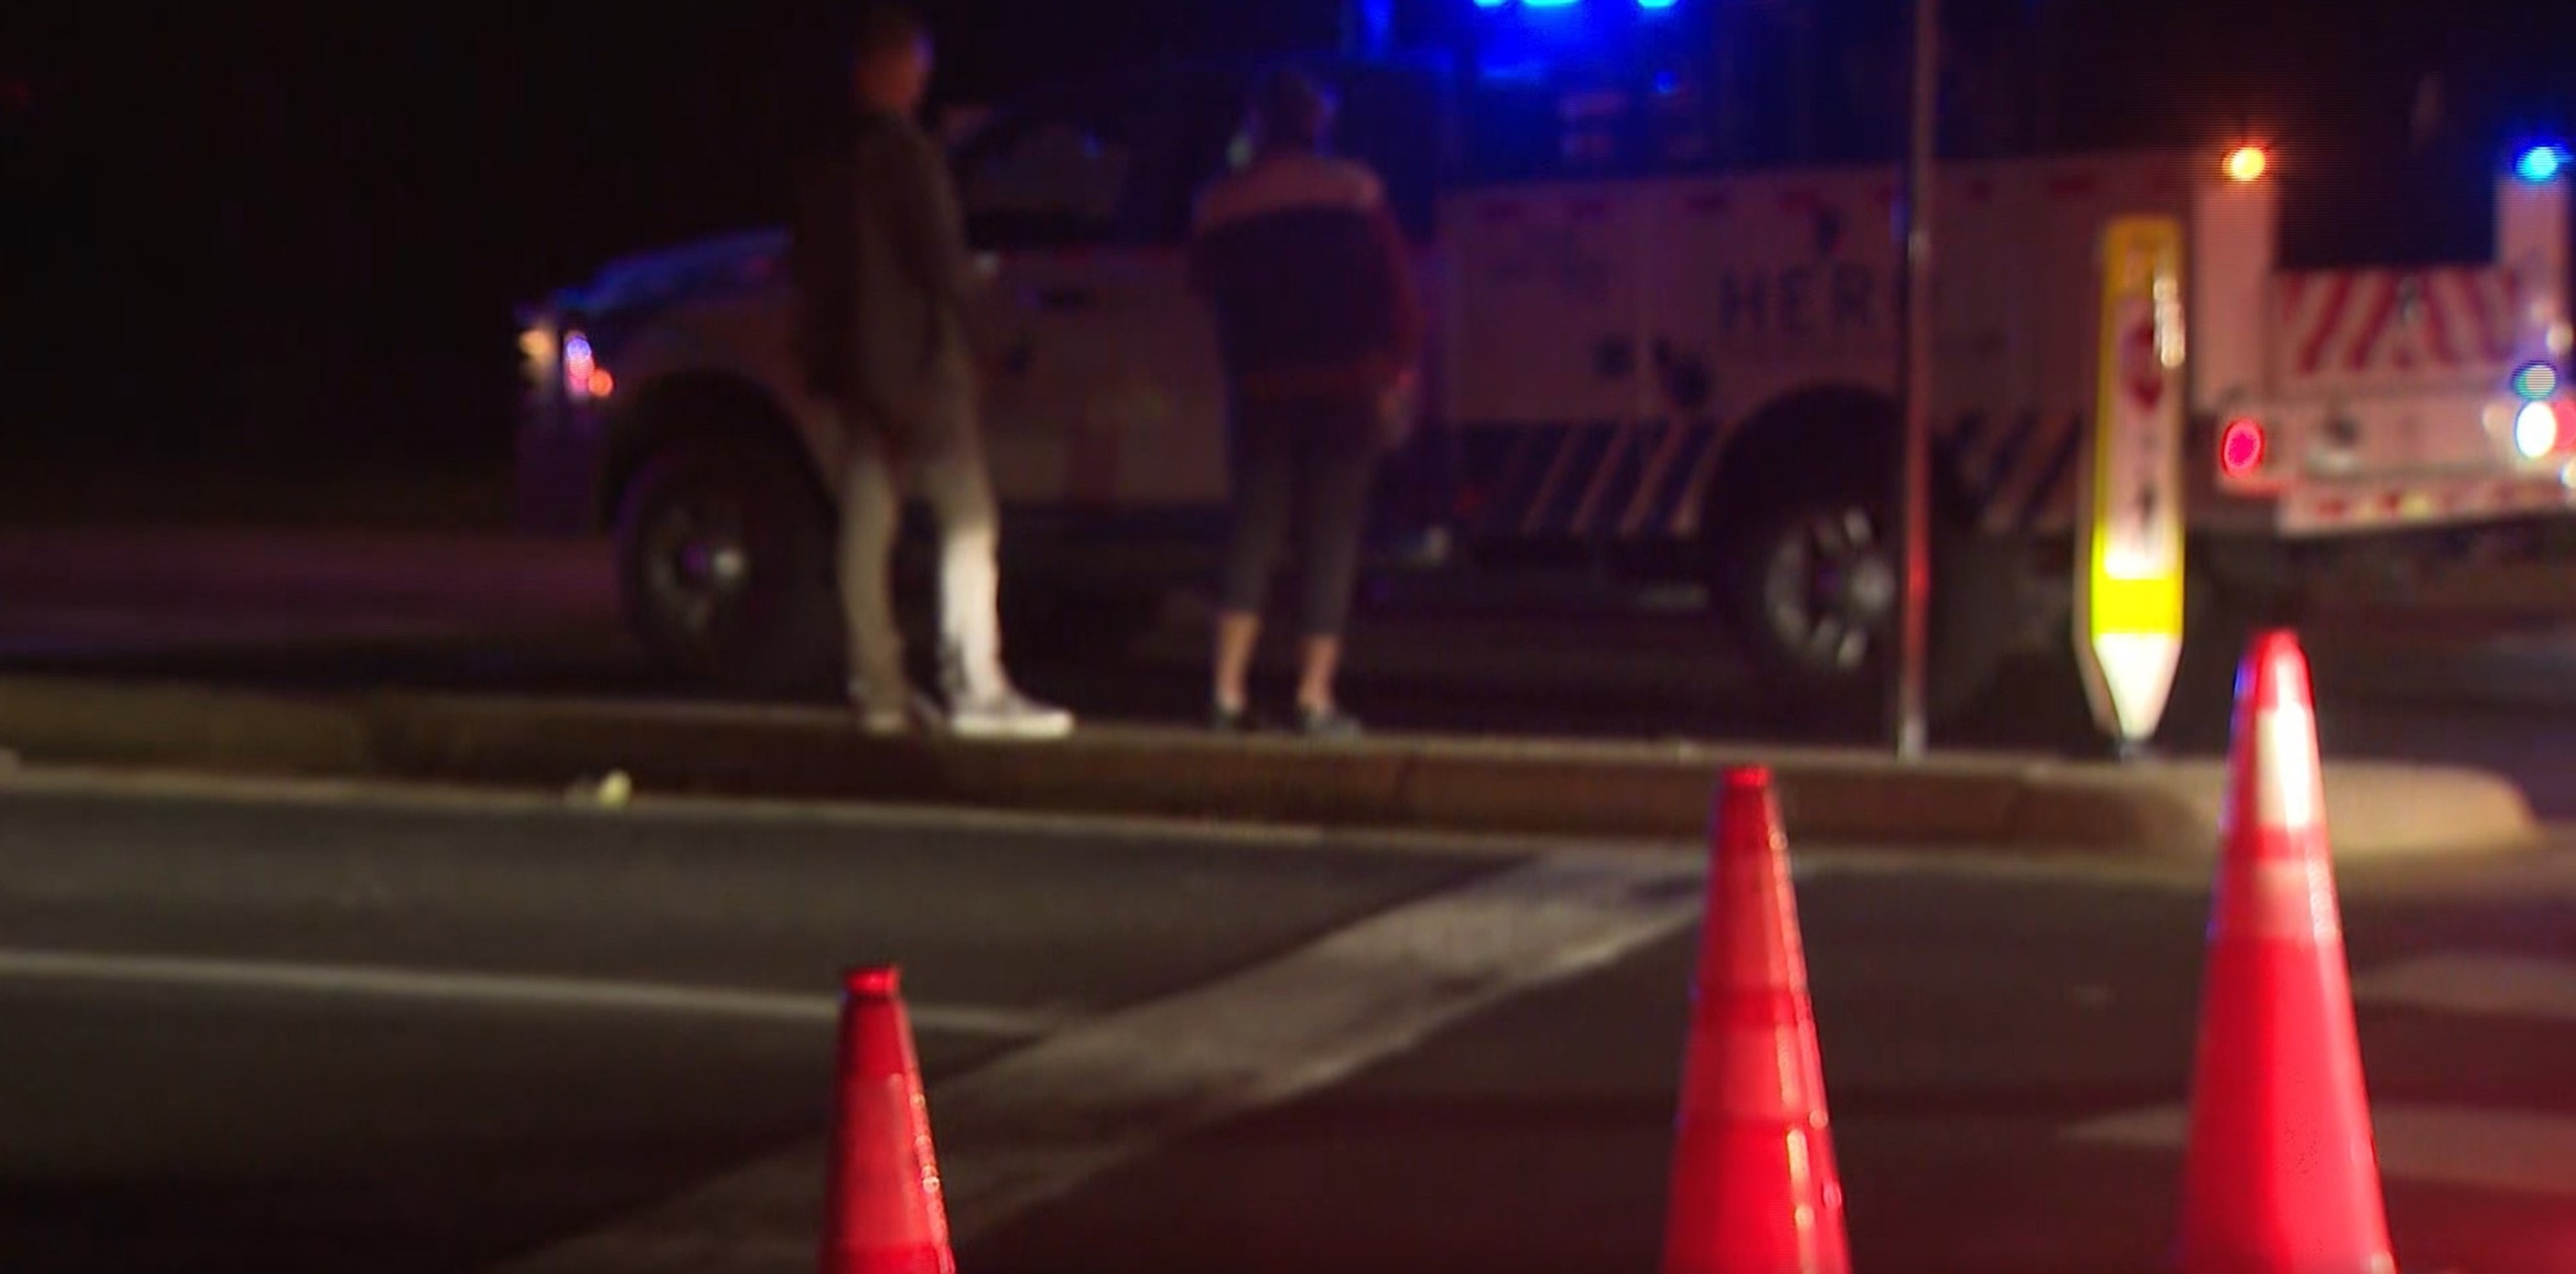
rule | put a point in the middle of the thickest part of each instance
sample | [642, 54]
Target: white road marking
[2493, 985]
[462, 800]
[579, 994]
[1808, 859]
[2527, 1151]
[84, 628]
[2513, 1150]
[1038, 1123]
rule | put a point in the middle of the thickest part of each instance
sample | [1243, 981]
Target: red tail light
[2242, 448]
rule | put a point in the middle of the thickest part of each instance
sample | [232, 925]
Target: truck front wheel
[724, 560]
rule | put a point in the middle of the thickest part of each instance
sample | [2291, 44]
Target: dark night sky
[301, 227]
[272, 229]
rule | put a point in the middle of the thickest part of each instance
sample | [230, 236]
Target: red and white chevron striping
[2364, 321]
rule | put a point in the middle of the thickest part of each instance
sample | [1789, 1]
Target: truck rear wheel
[2231, 589]
[1812, 584]
[725, 568]
[1813, 588]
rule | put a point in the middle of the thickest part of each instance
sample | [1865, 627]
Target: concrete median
[1522, 787]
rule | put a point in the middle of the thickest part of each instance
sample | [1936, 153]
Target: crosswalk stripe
[1037, 1124]
[2519, 1150]
[2515, 1150]
[2487, 985]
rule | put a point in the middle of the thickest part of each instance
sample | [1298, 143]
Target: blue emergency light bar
[2541, 164]
[1650, 6]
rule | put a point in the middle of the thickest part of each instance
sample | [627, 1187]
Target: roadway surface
[323, 1029]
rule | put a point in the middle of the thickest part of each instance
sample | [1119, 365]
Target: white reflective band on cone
[2284, 900]
[2289, 792]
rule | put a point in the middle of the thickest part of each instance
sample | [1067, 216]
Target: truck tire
[2224, 602]
[725, 559]
[1980, 614]
[1811, 585]
[2231, 589]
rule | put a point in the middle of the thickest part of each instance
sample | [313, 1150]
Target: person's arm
[925, 222]
[822, 269]
[880, 260]
[1404, 292]
[1202, 271]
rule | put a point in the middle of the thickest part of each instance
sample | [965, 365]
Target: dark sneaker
[1237, 720]
[1327, 723]
[888, 714]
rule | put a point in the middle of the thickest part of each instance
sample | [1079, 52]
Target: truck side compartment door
[1102, 384]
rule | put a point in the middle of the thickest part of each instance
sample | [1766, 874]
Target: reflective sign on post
[2129, 560]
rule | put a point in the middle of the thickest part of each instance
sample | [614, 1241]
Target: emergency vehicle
[1644, 362]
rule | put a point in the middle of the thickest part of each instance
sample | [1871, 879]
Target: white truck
[1676, 376]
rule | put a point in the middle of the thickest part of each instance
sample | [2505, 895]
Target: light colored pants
[953, 481]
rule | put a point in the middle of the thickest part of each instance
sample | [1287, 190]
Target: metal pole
[1914, 496]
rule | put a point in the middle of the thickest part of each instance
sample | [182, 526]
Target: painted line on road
[2513, 1150]
[2490, 985]
[2526, 1151]
[487, 989]
[1039, 1123]
[447, 799]
[465, 800]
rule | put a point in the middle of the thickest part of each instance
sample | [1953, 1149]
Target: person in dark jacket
[882, 278]
[1311, 283]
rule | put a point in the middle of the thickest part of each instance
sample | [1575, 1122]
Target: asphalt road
[257, 1029]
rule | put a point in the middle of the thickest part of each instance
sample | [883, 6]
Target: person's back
[1311, 285]
[1305, 270]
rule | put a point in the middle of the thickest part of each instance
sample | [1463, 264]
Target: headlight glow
[2535, 430]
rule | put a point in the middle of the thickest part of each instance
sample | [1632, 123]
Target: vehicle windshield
[2433, 206]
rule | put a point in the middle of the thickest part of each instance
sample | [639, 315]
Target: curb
[1592, 790]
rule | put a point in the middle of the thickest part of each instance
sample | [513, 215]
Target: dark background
[280, 243]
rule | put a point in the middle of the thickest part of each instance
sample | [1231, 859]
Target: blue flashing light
[2541, 164]
[1491, 4]
[1656, 6]
[1549, 4]
[2535, 382]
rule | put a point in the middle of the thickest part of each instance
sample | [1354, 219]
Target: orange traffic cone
[2280, 1175]
[1754, 1188]
[886, 1212]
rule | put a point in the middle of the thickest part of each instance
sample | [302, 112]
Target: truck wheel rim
[700, 563]
[1829, 589]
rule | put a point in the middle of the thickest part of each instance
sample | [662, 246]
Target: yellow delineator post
[2129, 559]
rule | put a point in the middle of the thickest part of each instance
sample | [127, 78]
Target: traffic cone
[886, 1212]
[1754, 1188]
[2280, 1175]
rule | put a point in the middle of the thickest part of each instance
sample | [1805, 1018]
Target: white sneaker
[1007, 714]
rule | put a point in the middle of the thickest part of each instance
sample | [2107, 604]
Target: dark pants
[1314, 462]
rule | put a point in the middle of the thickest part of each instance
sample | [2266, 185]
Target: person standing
[883, 276]
[1311, 283]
